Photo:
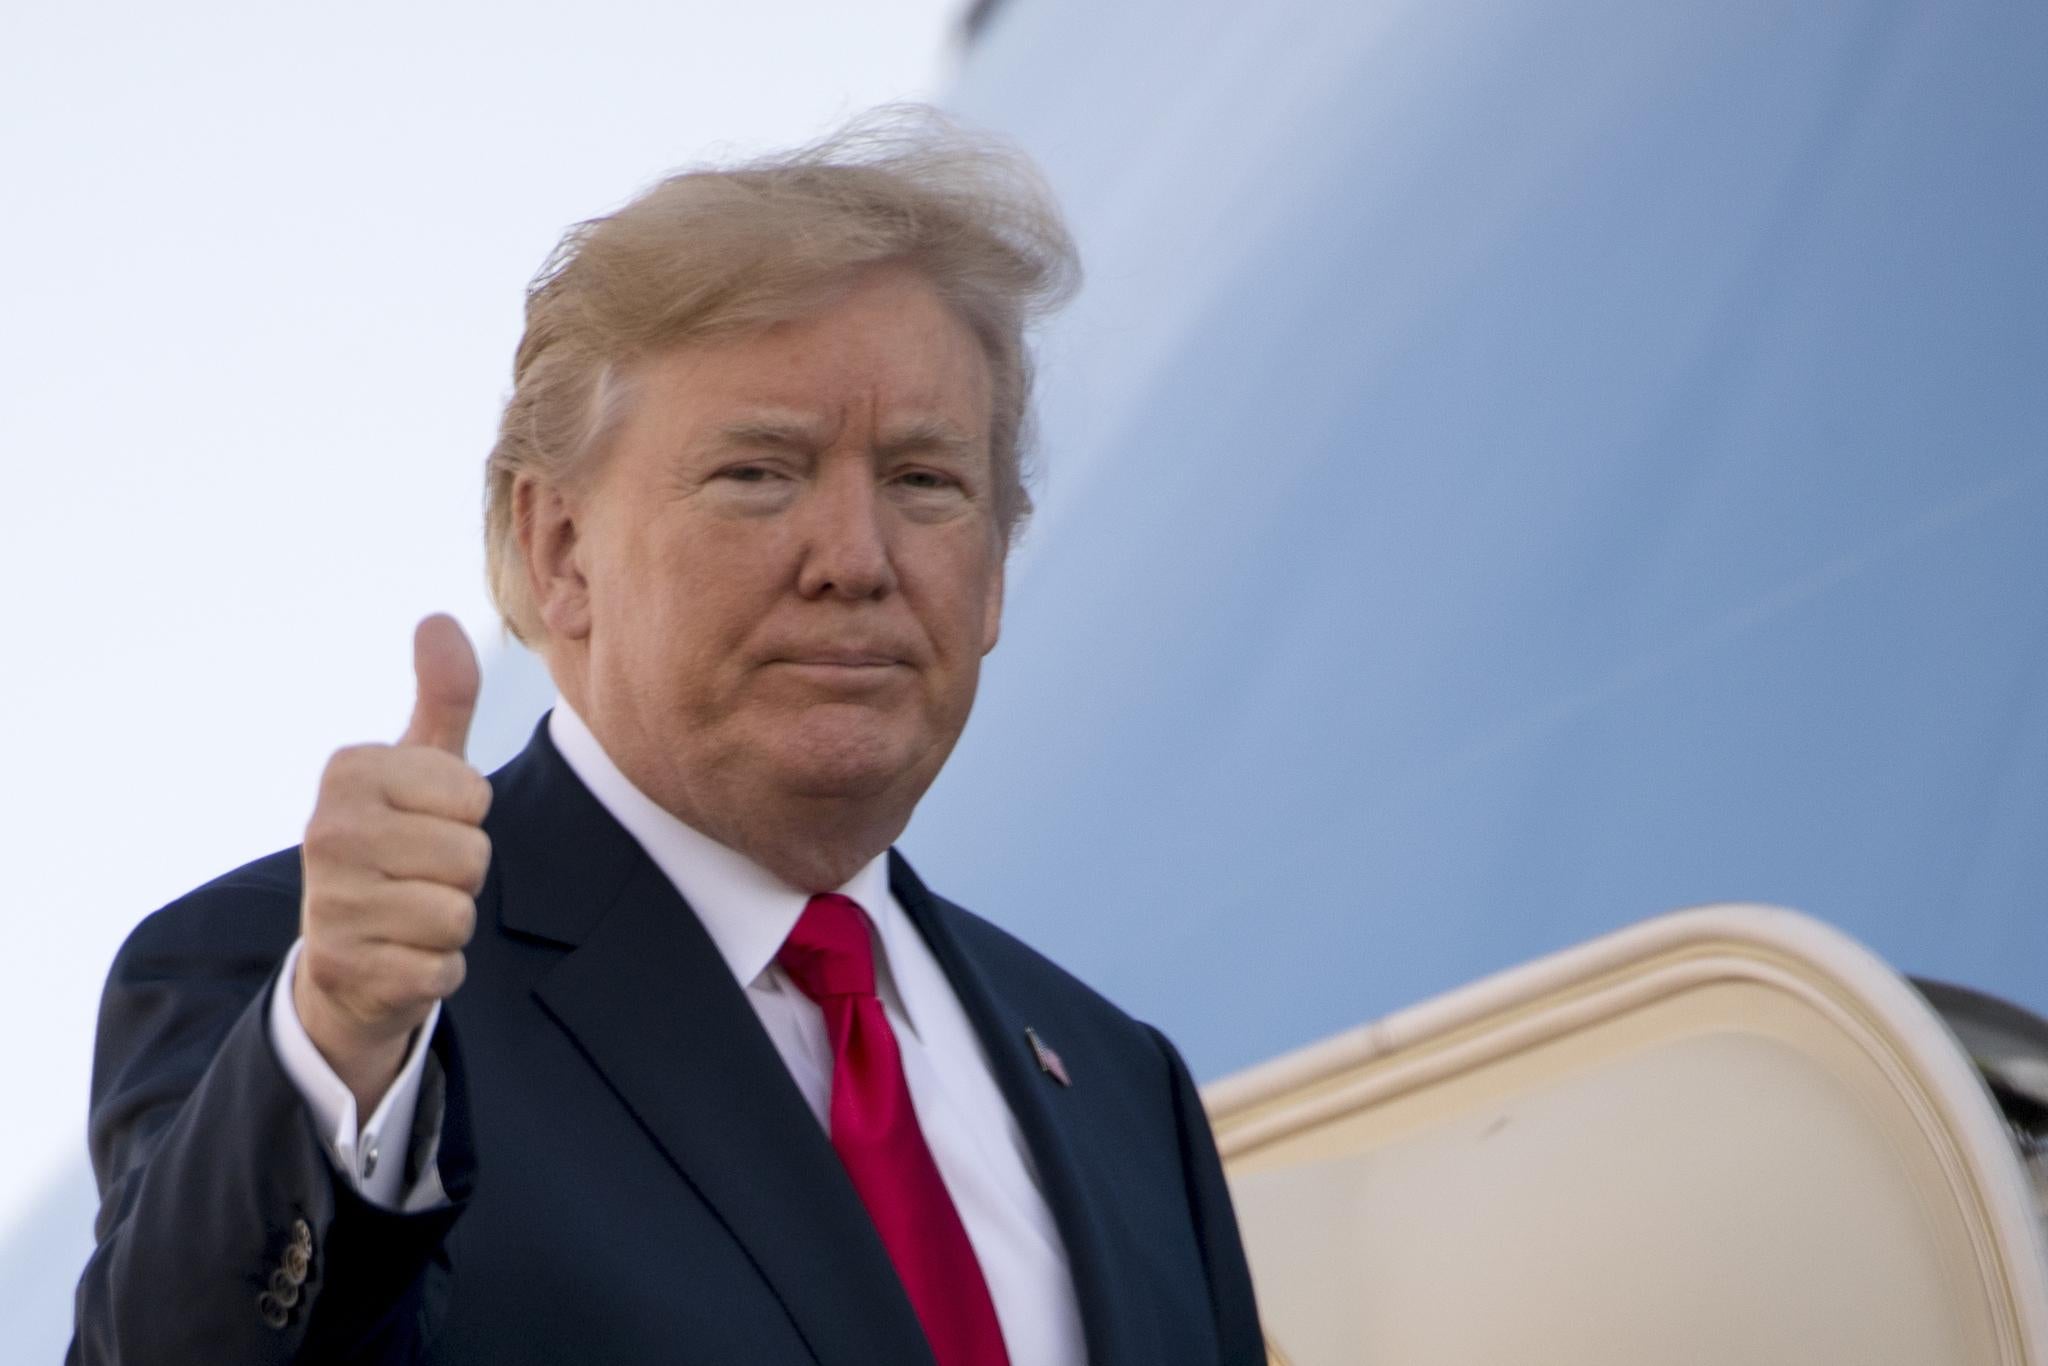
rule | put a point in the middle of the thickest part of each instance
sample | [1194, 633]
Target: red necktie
[874, 1130]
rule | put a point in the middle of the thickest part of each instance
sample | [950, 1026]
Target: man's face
[790, 562]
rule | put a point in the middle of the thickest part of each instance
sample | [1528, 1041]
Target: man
[723, 1081]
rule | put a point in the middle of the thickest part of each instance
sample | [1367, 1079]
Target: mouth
[835, 671]
[840, 659]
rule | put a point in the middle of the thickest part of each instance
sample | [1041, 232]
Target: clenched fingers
[382, 842]
[412, 778]
[362, 910]
[377, 983]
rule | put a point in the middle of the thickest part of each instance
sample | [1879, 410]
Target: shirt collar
[746, 909]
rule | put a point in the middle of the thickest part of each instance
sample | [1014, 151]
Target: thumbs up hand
[394, 856]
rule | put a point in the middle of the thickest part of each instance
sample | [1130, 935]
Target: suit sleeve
[1239, 1339]
[353, 1141]
[224, 1234]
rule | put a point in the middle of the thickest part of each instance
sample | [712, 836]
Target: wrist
[366, 1060]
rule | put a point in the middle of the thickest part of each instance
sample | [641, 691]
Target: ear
[549, 545]
[992, 602]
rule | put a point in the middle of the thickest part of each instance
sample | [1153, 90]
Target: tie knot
[828, 953]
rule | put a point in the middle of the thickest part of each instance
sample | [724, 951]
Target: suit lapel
[1046, 1113]
[647, 999]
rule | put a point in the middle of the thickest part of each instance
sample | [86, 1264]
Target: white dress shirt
[748, 913]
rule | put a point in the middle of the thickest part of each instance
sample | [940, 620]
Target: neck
[814, 847]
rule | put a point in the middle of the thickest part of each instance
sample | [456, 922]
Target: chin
[847, 762]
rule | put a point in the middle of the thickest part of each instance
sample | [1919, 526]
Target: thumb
[445, 664]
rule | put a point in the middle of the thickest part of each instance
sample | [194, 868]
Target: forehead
[890, 352]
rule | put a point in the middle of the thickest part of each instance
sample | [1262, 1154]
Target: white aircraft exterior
[1517, 470]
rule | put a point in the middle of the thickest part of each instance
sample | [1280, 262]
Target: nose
[846, 548]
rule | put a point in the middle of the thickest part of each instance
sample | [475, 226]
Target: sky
[266, 272]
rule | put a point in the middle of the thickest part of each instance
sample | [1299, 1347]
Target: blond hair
[719, 253]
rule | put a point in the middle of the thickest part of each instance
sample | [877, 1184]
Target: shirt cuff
[372, 1155]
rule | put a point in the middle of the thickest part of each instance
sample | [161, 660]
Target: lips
[849, 659]
[835, 664]
[834, 658]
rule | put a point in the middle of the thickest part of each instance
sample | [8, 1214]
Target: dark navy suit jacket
[632, 1174]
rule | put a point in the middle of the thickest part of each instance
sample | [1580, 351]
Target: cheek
[992, 614]
[962, 601]
[972, 617]
[694, 607]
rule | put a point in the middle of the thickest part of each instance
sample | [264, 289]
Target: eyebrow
[933, 434]
[769, 429]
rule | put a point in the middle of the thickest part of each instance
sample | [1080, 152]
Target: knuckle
[328, 970]
[479, 860]
[393, 994]
[339, 833]
[437, 917]
[328, 833]
[382, 1000]
[327, 901]
[342, 831]
[351, 765]
[456, 916]
[476, 797]
[318, 841]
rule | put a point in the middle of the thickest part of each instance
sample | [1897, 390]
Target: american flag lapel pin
[1048, 1061]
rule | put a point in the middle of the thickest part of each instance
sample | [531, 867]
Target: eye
[924, 480]
[753, 487]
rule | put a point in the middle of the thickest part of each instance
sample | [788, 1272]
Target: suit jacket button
[274, 1313]
[296, 1260]
[283, 1288]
